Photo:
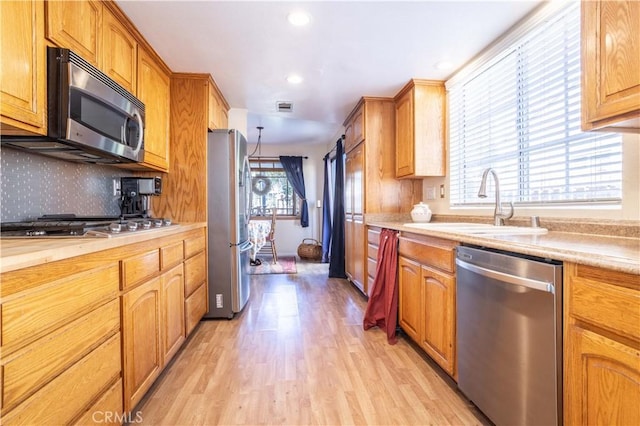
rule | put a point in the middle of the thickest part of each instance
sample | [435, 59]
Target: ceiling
[350, 49]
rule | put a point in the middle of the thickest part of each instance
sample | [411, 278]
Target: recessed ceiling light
[294, 79]
[444, 65]
[299, 18]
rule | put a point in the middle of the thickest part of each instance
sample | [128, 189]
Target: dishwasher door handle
[508, 278]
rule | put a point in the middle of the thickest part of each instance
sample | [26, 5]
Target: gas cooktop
[72, 226]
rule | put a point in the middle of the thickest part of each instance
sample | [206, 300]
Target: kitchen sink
[477, 228]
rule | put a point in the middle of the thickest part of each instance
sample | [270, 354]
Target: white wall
[629, 210]
[289, 233]
[238, 120]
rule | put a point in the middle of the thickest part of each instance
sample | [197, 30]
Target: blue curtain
[293, 168]
[337, 261]
[326, 212]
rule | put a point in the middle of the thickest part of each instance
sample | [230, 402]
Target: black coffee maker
[135, 193]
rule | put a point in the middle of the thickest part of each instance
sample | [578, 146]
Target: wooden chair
[271, 238]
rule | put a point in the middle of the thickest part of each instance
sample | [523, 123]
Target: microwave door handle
[138, 147]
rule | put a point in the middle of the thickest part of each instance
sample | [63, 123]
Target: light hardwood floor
[298, 355]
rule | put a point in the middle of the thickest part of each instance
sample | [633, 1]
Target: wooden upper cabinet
[153, 89]
[354, 128]
[119, 52]
[75, 25]
[22, 67]
[218, 117]
[611, 65]
[420, 129]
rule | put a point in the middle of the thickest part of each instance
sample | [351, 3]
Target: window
[271, 189]
[519, 113]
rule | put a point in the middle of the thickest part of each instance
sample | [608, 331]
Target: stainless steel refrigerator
[228, 191]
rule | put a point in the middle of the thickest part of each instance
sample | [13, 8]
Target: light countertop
[18, 253]
[616, 253]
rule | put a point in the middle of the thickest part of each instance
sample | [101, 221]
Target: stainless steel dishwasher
[509, 335]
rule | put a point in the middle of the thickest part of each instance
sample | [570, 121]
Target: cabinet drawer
[195, 306]
[103, 410]
[195, 273]
[373, 236]
[371, 268]
[26, 319]
[430, 251]
[372, 252]
[171, 255]
[594, 298]
[26, 372]
[139, 268]
[77, 387]
[194, 245]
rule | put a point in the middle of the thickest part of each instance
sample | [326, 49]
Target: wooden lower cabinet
[427, 298]
[601, 347]
[195, 307]
[355, 254]
[106, 410]
[60, 345]
[438, 320]
[141, 340]
[410, 298]
[173, 318]
[373, 244]
[82, 339]
[196, 290]
[157, 316]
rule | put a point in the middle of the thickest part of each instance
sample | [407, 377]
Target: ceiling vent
[284, 106]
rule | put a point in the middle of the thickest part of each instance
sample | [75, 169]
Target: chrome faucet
[498, 215]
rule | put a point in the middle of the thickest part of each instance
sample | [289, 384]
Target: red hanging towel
[382, 309]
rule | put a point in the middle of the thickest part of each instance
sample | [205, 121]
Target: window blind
[519, 113]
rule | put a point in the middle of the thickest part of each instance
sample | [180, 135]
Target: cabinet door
[348, 184]
[153, 90]
[354, 129]
[217, 116]
[410, 297]
[349, 239]
[439, 321]
[141, 340]
[404, 135]
[22, 67]
[119, 52]
[196, 306]
[214, 105]
[610, 62]
[76, 25]
[172, 312]
[602, 380]
[357, 178]
[358, 254]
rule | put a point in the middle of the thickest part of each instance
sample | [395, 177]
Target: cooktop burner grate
[69, 225]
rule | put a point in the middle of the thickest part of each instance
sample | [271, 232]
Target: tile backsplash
[33, 185]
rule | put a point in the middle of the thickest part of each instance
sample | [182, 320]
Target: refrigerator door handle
[246, 245]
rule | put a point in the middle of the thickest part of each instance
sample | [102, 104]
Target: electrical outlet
[441, 191]
[218, 300]
[116, 188]
[430, 193]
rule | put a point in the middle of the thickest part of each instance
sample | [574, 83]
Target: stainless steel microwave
[91, 118]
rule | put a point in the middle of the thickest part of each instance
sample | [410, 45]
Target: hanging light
[258, 143]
